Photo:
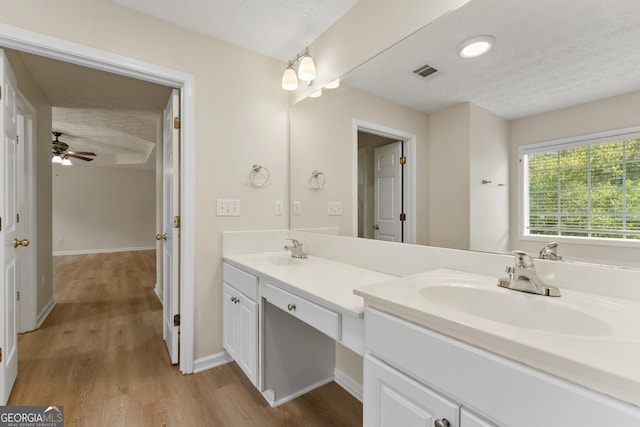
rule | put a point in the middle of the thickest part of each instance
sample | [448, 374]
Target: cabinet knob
[376, 227]
[291, 307]
[442, 423]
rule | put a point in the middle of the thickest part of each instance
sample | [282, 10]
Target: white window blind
[586, 188]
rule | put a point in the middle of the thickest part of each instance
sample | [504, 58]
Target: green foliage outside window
[589, 191]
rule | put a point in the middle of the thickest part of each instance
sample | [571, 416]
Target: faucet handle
[523, 259]
[296, 243]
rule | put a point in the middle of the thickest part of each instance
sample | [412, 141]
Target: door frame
[63, 50]
[409, 173]
[28, 312]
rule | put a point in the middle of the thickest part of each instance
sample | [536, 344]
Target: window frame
[560, 144]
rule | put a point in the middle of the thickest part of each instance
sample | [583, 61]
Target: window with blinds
[589, 191]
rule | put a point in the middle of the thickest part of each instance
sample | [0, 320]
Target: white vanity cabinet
[415, 376]
[240, 319]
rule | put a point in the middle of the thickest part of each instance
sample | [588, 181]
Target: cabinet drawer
[245, 282]
[326, 321]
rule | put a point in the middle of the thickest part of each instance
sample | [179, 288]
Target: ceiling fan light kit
[60, 152]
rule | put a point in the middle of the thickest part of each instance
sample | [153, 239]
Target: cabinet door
[229, 320]
[468, 419]
[393, 399]
[247, 337]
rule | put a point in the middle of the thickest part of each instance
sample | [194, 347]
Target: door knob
[23, 242]
[376, 227]
[161, 236]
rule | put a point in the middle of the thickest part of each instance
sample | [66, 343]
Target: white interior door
[171, 227]
[8, 230]
[387, 192]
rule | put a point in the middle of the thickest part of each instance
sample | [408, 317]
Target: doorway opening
[92, 58]
[385, 190]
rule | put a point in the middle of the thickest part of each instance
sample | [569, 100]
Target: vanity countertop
[591, 340]
[326, 282]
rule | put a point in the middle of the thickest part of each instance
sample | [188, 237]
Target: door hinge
[176, 320]
[0, 98]
[17, 139]
[17, 217]
[176, 122]
[0, 354]
[176, 221]
[403, 217]
[18, 296]
[0, 223]
[403, 160]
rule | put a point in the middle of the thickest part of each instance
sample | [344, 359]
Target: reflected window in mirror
[584, 188]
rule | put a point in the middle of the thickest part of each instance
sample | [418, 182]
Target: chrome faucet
[296, 249]
[550, 252]
[523, 277]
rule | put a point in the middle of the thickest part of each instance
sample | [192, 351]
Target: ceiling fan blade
[82, 153]
[75, 156]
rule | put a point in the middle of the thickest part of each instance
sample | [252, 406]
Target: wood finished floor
[100, 354]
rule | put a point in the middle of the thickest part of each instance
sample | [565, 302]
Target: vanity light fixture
[56, 159]
[316, 94]
[66, 162]
[333, 85]
[306, 71]
[475, 46]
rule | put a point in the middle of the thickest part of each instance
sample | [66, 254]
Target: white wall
[616, 112]
[322, 138]
[101, 209]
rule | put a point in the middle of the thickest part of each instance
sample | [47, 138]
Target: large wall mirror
[455, 125]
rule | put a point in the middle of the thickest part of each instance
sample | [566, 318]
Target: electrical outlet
[227, 207]
[334, 208]
[59, 241]
[278, 207]
[296, 209]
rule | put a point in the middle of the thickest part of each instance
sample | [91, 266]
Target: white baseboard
[103, 251]
[45, 312]
[211, 361]
[158, 291]
[348, 383]
[268, 394]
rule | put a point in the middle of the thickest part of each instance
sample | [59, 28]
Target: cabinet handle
[291, 307]
[235, 300]
[442, 423]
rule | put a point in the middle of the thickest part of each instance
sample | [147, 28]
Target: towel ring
[317, 180]
[259, 175]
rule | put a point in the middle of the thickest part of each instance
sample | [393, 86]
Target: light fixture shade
[307, 69]
[56, 159]
[289, 80]
[66, 162]
[334, 84]
[476, 46]
[316, 94]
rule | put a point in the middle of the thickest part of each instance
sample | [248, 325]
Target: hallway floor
[100, 354]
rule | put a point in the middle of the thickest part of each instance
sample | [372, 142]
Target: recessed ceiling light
[476, 46]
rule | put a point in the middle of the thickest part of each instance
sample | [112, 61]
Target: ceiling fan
[61, 152]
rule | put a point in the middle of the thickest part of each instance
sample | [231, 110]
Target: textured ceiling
[114, 116]
[548, 54]
[275, 28]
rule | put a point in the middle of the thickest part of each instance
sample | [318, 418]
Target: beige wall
[612, 113]
[101, 209]
[241, 119]
[38, 100]
[322, 139]
[489, 160]
[449, 177]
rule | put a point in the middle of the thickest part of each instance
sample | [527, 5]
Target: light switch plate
[296, 209]
[227, 207]
[334, 208]
[278, 207]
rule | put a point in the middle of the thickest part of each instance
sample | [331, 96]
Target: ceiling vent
[424, 71]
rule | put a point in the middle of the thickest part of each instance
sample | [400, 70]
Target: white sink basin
[534, 312]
